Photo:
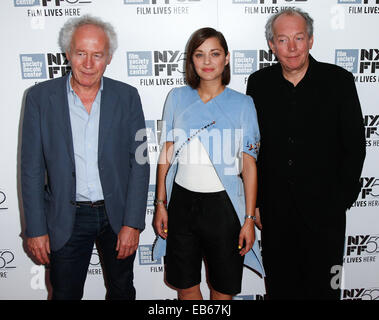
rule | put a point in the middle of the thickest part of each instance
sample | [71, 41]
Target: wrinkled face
[291, 43]
[89, 56]
[209, 60]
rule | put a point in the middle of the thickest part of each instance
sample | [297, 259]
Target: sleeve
[250, 129]
[167, 133]
[33, 170]
[353, 142]
[139, 174]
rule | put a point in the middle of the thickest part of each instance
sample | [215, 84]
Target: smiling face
[291, 43]
[209, 60]
[89, 56]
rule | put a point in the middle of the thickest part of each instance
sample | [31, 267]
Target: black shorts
[203, 225]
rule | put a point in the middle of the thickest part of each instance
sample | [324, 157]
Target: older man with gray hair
[81, 181]
[311, 157]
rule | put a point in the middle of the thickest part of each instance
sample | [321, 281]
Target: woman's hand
[161, 220]
[247, 237]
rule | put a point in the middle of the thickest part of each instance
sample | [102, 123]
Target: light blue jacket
[227, 126]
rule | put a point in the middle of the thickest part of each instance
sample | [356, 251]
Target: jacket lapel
[59, 102]
[108, 107]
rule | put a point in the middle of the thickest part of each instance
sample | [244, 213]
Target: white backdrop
[152, 36]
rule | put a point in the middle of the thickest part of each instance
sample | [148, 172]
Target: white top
[195, 169]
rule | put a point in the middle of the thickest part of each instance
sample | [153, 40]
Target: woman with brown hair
[207, 176]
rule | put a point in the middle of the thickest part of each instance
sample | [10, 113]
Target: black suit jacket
[312, 142]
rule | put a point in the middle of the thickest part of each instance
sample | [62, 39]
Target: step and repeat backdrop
[152, 35]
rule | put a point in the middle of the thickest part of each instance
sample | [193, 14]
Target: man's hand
[40, 248]
[127, 242]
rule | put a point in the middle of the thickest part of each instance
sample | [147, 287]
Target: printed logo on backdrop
[369, 195]
[267, 6]
[3, 201]
[52, 8]
[94, 268]
[163, 7]
[145, 256]
[359, 7]
[360, 294]
[371, 122]
[249, 297]
[150, 200]
[7, 263]
[43, 65]
[245, 62]
[361, 248]
[157, 68]
[153, 132]
[363, 63]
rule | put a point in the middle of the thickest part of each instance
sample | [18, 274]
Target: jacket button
[73, 203]
[290, 162]
[73, 174]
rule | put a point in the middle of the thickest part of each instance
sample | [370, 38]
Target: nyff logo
[3, 199]
[57, 65]
[58, 3]
[371, 123]
[156, 63]
[6, 259]
[33, 66]
[168, 61]
[370, 187]
[360, 294]
[362, 245]
[358, 60]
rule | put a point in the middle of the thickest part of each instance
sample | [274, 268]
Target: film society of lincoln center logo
[145, 256]
[245, 62]
[363, 63]
[157, 68]
[43, 66]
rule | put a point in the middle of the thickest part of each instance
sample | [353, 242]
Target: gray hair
[71, 25]
[269, 28]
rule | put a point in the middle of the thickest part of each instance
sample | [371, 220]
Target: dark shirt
[312, 136]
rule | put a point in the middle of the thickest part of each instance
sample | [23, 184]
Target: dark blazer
[48, 167]
[312, 142]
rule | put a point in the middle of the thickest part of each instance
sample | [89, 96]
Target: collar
[71, 90]
[307, 75]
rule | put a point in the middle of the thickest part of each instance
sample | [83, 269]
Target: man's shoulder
[47, 86]
[119, 86]
[265, 73]
[329, 71]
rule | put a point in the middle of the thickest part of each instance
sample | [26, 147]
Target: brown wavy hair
[196, 40]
